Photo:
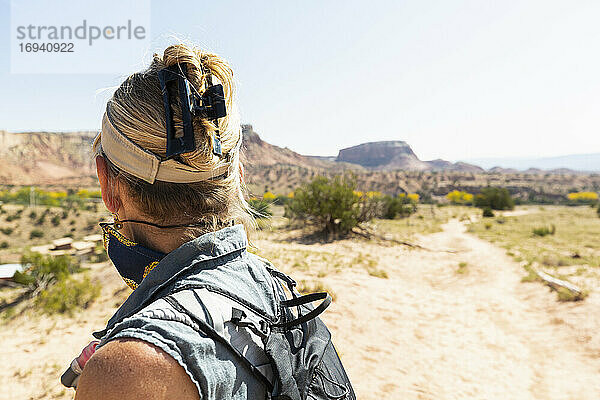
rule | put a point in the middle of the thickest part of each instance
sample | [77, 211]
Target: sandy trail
[426, 332]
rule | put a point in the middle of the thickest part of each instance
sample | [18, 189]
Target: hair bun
[192, 57]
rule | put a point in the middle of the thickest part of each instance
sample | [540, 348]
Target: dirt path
[429, 332]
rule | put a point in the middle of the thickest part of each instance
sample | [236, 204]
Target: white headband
[146, 165]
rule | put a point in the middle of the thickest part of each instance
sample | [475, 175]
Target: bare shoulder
[134, 369]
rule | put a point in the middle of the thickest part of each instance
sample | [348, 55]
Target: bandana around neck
[132, 260]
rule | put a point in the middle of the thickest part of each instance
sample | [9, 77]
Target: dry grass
[428, 219]
[572, 252]
[313, 286]
[378, 273]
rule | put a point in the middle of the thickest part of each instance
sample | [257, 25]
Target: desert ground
[448, 320]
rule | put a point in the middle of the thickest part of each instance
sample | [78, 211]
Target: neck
[164, 241]
[163, 238]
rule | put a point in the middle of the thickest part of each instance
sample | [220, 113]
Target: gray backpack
[303, 361]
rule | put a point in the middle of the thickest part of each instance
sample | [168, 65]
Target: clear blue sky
[455, 79]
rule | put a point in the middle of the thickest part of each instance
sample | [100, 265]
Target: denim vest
[216, 260]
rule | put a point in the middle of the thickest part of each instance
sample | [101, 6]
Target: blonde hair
[136, 110]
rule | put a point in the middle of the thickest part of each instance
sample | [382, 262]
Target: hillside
[45, 157]
[64, 159]
[258, 153]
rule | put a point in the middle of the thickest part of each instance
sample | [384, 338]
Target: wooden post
[555, 282]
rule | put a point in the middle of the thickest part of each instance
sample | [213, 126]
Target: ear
[110, 194]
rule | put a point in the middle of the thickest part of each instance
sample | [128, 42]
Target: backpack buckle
[237, 317]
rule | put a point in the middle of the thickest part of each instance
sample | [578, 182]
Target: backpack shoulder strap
[210, 312]
[202, 304]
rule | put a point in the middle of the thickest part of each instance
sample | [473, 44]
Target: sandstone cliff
[397, 155]
[45, 157]
[383, 156]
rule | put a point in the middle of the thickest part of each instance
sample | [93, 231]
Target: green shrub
[4, 245]
[260, 208]
[47, 270]
[281, 200]
[36, 233]
[334, 206]
[331, 205]
[32, 215]
[402, 206]
[544, 230]
[67, 295]
[487, 212]
[598, 210]
[55, 220]
[23, 279]
[49, 280]
[494, 198]
[7, 231]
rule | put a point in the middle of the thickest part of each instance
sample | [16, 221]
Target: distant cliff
[395, 155]
[258, 153]
[382, 155]
[45, 157]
